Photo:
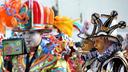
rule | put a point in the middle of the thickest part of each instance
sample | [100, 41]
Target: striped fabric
[105, 55]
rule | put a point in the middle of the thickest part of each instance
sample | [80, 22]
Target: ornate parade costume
[46, 46]
[42, 42]
[102, 45]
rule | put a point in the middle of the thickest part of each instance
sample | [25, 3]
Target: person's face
[88, 44]
[100, 43]
[32, 38]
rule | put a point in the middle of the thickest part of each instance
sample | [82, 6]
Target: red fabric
[71, 65]
[37, 13]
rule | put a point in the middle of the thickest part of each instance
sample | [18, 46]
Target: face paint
[32, 39]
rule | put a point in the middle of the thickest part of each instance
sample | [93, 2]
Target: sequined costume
[42, 63]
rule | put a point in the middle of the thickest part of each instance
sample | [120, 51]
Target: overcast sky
[73, 8]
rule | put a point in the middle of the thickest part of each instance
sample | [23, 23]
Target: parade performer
[60, 37]
[105, 45]
[39, 56]
[32, 35]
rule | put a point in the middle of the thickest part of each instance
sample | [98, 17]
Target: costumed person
[61, 37]
[65, 29]
[35, 59]
[39, 57]
[105, 45]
